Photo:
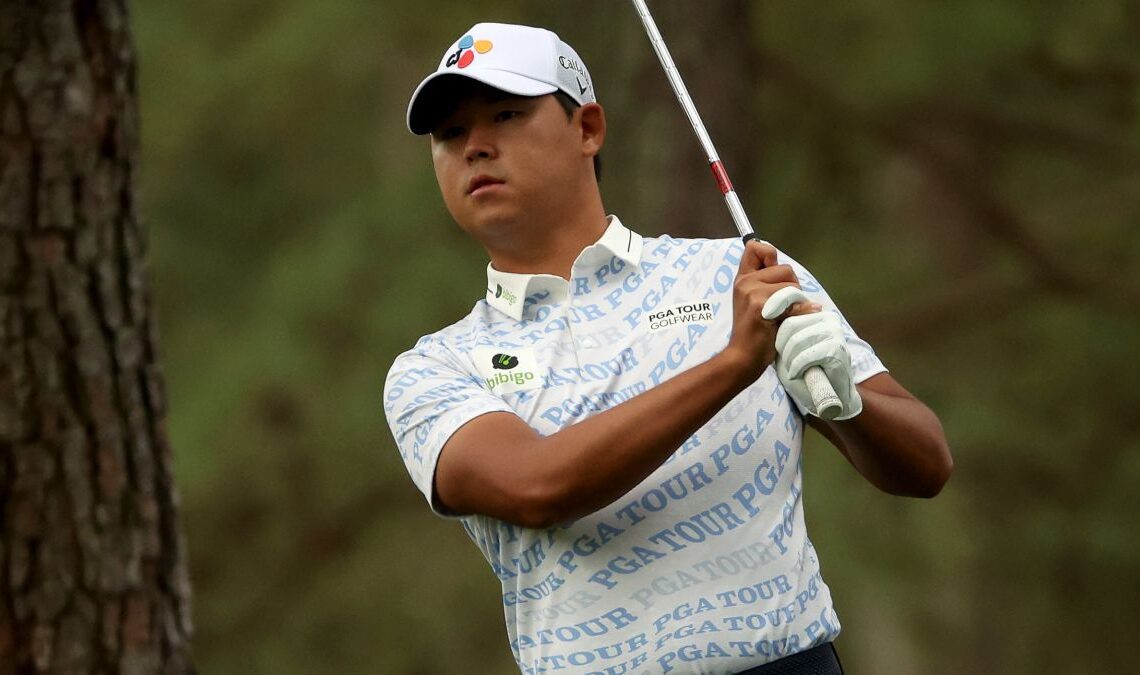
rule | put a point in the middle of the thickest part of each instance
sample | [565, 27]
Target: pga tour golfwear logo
[466, 49]
[679, 315]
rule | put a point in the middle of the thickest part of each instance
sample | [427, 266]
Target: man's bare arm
[897, 443]
[498, 466]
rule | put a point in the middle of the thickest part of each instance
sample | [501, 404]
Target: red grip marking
[721, 176]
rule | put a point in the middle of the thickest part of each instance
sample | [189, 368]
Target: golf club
[827, 403]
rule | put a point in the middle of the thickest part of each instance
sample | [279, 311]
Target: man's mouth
[481, 181]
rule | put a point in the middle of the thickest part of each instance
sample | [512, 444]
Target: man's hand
[810, 340]
[754, 335]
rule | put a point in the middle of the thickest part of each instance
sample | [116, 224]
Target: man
[618, 423]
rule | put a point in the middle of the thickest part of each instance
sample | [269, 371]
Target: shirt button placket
[567, 316]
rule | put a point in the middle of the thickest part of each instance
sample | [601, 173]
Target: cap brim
[431, 100]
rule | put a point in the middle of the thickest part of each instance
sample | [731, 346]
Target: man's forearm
[896, 443]
[590, 464]
[499, 466]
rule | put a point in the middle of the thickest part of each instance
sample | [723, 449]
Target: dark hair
[570, 105]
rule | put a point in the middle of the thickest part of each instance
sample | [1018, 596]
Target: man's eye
[505, 115]
[450, 132]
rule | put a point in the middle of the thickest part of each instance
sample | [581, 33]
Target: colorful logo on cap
[468, 46]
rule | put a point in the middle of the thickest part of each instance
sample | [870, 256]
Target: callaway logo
[571, 64]
[507, 362]
[464, 54]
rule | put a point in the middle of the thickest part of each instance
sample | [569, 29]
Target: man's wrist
[735, 367]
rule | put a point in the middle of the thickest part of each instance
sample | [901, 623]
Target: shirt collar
[507, 291]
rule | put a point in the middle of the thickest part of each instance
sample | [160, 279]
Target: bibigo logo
[507, 362]
[503, 293]
[504, 361]
[468, 46]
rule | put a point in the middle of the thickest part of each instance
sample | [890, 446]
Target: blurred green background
[964, 177]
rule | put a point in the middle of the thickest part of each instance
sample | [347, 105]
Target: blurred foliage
[964, 178]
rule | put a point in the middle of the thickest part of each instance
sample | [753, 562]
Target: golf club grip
[823, 397]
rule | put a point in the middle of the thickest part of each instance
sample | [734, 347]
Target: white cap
[519, 60]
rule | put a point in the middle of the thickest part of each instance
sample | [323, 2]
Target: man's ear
[592, 120]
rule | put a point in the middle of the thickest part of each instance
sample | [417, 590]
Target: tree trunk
[712, 43]
[94, 575]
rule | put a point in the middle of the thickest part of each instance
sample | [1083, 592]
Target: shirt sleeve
[427, 397]
[864, 362]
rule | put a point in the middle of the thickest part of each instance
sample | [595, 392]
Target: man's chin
[492, 224]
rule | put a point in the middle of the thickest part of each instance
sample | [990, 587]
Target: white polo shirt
[705, 567]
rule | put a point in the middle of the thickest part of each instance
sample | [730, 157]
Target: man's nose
[480, 143]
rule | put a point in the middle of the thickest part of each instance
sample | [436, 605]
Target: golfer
[618, 422]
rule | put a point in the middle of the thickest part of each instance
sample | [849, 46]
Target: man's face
[503, 161]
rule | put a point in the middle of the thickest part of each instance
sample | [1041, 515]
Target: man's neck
[552, 248]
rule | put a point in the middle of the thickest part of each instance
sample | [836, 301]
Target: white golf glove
[808, 340]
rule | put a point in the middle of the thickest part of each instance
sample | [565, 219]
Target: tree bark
[92, 558]
[712, 43]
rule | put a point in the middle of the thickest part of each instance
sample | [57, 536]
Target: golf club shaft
[827, 404]
[739, 217]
